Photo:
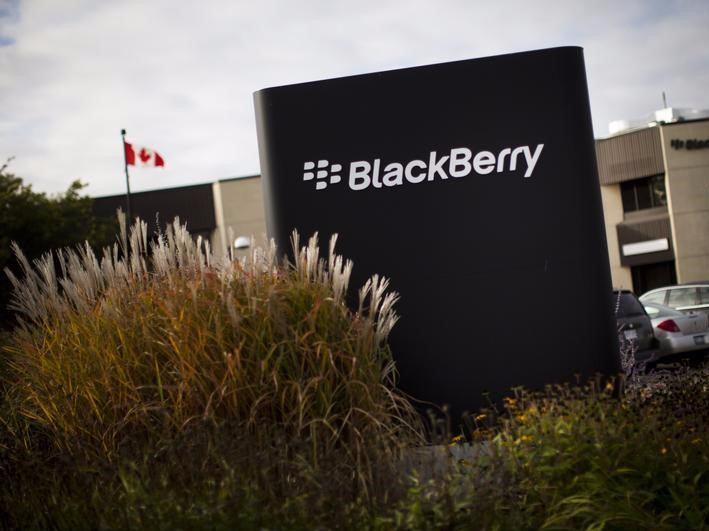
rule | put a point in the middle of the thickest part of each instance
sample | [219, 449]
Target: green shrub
[159, 363]
[578, 457]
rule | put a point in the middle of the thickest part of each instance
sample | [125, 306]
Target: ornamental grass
[157, 367]
[157, 387]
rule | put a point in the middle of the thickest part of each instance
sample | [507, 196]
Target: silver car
[687, 298]
[676, 331]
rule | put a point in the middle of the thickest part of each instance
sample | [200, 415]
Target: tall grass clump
[158, 387]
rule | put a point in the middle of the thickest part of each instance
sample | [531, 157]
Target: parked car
[634, 325]
[686, 298]
[678, 332]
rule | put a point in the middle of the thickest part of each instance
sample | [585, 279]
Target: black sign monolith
[472, 185]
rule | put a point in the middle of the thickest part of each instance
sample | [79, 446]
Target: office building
[654, 178]
[227, 212]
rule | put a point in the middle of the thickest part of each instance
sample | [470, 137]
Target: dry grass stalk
[158, 347]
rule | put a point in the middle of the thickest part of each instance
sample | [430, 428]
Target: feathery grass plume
[161, 349]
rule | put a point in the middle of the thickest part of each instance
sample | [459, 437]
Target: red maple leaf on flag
[142, 156]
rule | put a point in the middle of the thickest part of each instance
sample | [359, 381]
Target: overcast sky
[179, 76]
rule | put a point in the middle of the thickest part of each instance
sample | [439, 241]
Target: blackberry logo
[455, 163]
[323, 176]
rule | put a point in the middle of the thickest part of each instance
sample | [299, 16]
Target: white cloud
[179, 76]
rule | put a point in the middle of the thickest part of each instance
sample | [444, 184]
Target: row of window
[680, 296]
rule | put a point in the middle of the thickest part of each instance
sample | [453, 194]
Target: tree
[39, 223]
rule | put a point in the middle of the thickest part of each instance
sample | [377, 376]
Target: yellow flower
[480, 417]
[522, 418]
[456, 440]
[510, 402]
[663, 451]
[526, 438]
[609, 387]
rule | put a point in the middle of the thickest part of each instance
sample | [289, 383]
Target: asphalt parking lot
[692, 359]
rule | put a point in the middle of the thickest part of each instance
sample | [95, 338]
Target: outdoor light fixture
[242, 242]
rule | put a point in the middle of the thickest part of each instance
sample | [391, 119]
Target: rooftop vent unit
[663, 116]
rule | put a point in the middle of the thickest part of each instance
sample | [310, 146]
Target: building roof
[630, 156]
[194, 205]
[663, 116]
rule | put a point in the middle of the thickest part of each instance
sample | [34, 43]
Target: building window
[643, 193]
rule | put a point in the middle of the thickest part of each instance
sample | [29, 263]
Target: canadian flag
[142, 156]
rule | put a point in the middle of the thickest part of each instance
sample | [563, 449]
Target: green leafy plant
[606, 455]
[37, 222]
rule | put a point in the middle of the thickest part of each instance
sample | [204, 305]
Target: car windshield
[657, 297]
[629, 305]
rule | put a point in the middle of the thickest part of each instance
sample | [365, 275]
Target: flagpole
[125, 164]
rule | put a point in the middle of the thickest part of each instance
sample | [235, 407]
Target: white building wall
[613, 215]
[688, 197]
[239, 212]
